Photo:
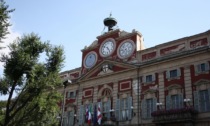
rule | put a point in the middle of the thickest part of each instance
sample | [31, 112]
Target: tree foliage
[4, 17]
[34, 82]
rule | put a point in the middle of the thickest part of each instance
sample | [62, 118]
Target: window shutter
[154, 104]
[180, 99]
[117, 110]
[168, 102]
[196, 100]
[71, 118]
[65, 121]
[144, 109]
[129, 108]
[122, 106]
[81, 115]
[198, 68]
[91, 108]
[153, 77]
[108, 107]
[208, 105]
[74, 95]
[167, 74]
[207, 66]
[144, 79]
[178, 72]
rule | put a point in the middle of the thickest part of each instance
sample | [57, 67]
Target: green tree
[33, 80]
[2, 109]
[4, 17]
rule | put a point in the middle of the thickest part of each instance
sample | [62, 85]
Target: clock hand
[108, 49]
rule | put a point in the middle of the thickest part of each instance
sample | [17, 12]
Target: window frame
[204, 100]
[174, 101]
[152, 108]
[201, 68]
[169, 73]
[149, 109]
[151, 80]
[71, 95]
[126, 108]
[173, 73]
[169, 102]
[148, 78]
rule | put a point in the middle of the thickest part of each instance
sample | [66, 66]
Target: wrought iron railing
[174, 115]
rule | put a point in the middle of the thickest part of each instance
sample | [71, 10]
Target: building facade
[168, 84]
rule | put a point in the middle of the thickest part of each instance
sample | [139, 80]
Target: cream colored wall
[158, 67]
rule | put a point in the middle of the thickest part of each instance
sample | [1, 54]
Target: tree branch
[8, 104]
[23, 105]
[16, 101]
[26, 115]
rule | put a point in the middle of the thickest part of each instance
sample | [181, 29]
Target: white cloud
[9, 39]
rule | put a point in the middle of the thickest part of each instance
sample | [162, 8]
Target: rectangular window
[149, 109]
[148, 78]
[174, 101]
[123, 110]
[173, 73]
[106, 109]
[70, 118]
[202, 67]
[204, 101]
[71, 94]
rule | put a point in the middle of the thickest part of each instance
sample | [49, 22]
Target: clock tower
[113, 45]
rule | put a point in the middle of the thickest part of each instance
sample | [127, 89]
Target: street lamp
[159, 105]
[187, 101]
[65, 83]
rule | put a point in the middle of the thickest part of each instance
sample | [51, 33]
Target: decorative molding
[88, 93]
[173, 86]
[126, 85]
[201, 82]
[105, 86]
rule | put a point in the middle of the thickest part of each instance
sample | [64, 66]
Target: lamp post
[187, 101]
[64, 94]
[159, 105]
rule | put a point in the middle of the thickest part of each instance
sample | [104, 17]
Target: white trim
[129, 82]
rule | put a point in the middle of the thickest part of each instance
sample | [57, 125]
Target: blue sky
[76, 23]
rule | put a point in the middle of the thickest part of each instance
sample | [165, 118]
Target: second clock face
[125, 49]
[107, 47]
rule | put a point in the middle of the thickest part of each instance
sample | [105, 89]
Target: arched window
[106, 102]
[106, 92]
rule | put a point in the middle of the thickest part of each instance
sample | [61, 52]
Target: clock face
[90, 59]
[125, 49]
[107, 47]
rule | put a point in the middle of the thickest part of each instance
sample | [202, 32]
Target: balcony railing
[174, 115]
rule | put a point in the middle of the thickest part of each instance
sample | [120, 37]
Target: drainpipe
[138, 100]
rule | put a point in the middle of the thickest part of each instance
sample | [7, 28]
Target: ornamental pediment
[106, 68]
